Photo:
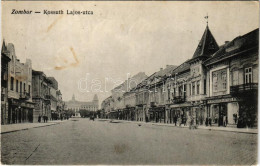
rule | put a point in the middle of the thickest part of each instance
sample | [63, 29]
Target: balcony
[179, 99]
[47, 97]
[243, 89]
[24, 96]
[153, 104]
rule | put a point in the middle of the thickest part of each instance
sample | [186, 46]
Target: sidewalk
[228, 129]
[25, 126]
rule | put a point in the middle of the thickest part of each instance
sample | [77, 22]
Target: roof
[166, 71]
[181, 68]
[207, 45]
[240, 43]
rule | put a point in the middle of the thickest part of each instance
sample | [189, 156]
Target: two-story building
[233, 82]
[41, 95]
[156, 86]
[20, 105]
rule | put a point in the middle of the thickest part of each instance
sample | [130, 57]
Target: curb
[135, 122]
[28, 128]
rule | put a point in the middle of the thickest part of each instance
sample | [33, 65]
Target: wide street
[81, 141]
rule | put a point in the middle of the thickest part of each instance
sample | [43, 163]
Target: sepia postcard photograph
[129, 82]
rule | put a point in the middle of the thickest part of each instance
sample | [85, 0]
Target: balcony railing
[179, 99]
[24, 96]
[153, 104]
[243, 88]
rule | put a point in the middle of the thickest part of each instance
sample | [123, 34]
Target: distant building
[76, 105]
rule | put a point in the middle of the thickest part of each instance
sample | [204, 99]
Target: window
[24, 88]
[180, 90]
[219, 80]
[12, 83]
[29, 89]
[190, 89]
[184, 90]
[193, 88]
[248, 75]
[198, 87]
[17, 84]
[21, 87]
[169, 94]
[235, 77]
[224, 80]
[215, 82]
[205, 86]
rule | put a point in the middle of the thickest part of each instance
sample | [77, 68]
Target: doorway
[222, 114]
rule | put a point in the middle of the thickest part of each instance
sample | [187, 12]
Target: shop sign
[223, 100]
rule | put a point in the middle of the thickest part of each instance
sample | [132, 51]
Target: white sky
[120, 38]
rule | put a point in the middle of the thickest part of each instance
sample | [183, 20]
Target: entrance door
[222, 113]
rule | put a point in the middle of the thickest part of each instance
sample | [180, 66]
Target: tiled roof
[207, 45]
[183, 67]
[238, 44]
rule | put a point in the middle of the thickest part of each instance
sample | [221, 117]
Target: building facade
[76, 105]
[217, 86]
[41, 95]
[20, 105]
[233, 82]
[4, 83]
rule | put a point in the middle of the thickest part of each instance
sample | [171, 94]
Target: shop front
[139, 113]
[179, 114]
[157, 114]
[27, 112]
[222, 111]
[19, 111]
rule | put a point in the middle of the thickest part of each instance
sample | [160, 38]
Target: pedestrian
[210, 121]
[175, 120]
[224, 120]
[39, 118]
[191, 123]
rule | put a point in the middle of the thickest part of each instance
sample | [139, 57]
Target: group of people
[45, 118]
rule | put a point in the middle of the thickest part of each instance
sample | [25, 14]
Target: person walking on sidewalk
[39, 118]
[224, 120]
[175, 119]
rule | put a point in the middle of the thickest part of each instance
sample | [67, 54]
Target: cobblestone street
[81, 141]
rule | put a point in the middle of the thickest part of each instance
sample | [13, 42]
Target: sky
[120, 38]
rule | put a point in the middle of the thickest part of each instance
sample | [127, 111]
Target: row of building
[26, 94]
[217, 86]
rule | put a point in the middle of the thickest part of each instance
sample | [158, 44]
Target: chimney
[161, 69]
[226, 42]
